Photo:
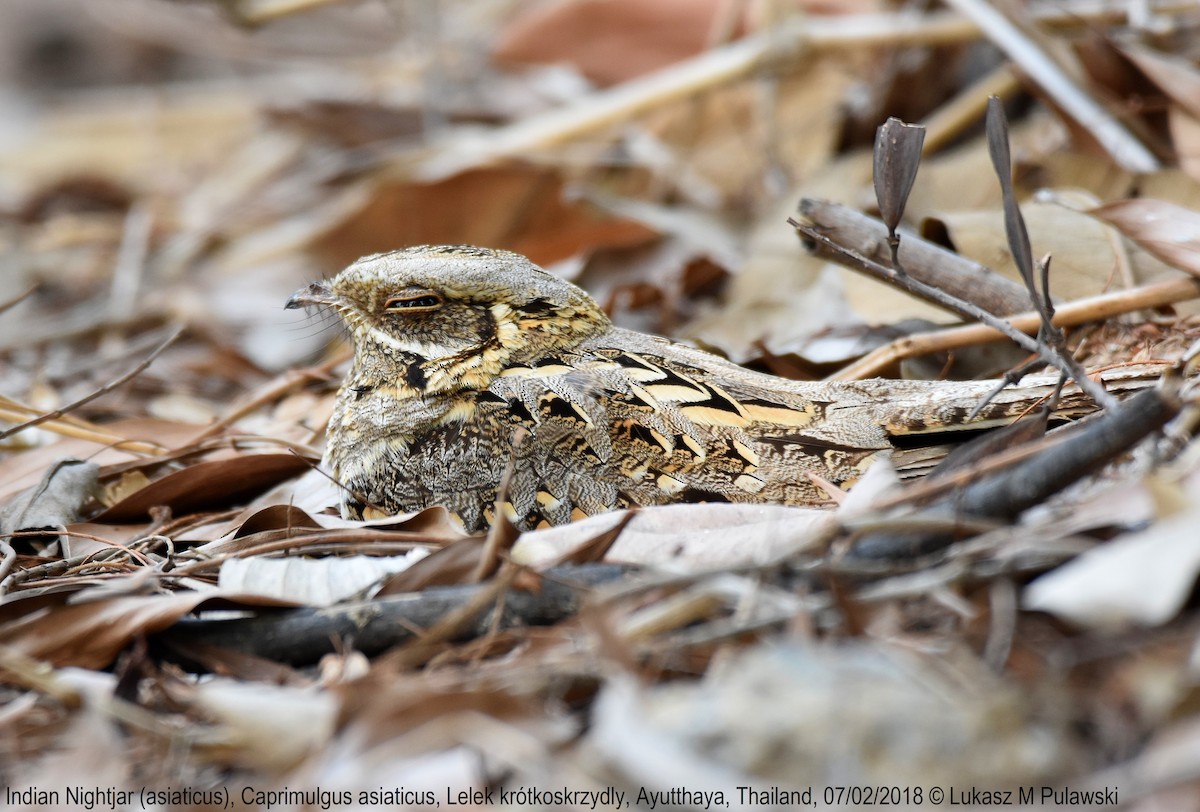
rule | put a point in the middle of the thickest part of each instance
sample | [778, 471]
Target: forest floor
[185, 619]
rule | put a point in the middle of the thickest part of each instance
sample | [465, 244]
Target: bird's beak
[318, 293]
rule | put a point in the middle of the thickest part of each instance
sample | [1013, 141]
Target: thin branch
[10, 410]
[969, 310]
[1095, 308]
[8, 304]
[925, 261]
[103, 390]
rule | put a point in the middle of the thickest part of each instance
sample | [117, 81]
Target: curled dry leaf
[1164, 229]
[55, 501]
[215, 483]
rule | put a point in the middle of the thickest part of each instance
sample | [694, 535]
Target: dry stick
[967, 108]
[79, 430]
[1117, 141]
[1095, 308]
[721, 66]
[453, 612]
[962, 307]
[16, 300]
[1028, 483]
[103, 390]
[925, 261]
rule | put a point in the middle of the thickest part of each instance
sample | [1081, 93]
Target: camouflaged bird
[469, 360]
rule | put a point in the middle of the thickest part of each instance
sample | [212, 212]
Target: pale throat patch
[425, 349]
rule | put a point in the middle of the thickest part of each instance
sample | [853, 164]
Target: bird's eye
[414, 301]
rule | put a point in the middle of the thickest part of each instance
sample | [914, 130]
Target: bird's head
[447, 318]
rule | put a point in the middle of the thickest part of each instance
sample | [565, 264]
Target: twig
[103, 390]
[1052, 342]
[1012, 491]
[1124, 148]
[857, 261]
[8, 304]
[1095, 308]
[966, 108]
[11, 411]
[925, 261]
[301, 636]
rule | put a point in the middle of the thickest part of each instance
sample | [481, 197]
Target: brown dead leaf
[453, 564]
[519, 208]
[215, 483]
[611, 41]
[275, 517]
[1176, 77]
[1165, 230]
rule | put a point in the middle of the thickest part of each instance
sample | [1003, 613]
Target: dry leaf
[216, 483]
[1139, 579]
[55, 501]
[611, 41]
[768, 718]
[1166, 230]
[309, 581]
[1084, 260]
[263, 727]
[519, 208]
[687, 538]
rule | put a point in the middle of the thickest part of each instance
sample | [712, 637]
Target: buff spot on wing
[710, 416]
[669, 484]
[749, 483]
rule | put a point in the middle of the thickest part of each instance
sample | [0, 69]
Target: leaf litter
[179, 602]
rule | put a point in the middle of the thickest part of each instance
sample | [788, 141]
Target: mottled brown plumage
[468, 360]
